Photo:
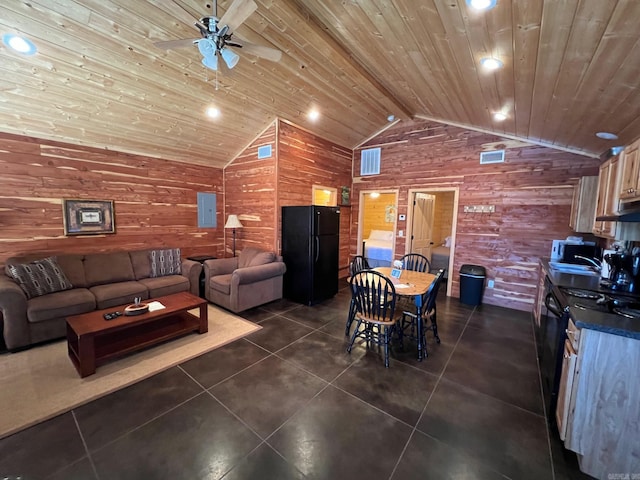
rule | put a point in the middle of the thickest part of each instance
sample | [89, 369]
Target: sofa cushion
[165, 262]
[60, 305]
[161, 286]
[141, 262]
[103, 268]
[221, 283]
[252, 256]
[73, 267]
[117, 294]
[39, 277]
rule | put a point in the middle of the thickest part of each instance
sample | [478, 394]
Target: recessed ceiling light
[19, 44]
[491, 63]
[607, 136]
[375, 194]
[499, 116]
[482, 4]
[391, 118]
[313, 115]
[213, 112]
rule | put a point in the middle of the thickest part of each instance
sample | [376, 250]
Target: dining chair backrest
[416, 262]
[358, 264]
[432, 293]
[374, 296]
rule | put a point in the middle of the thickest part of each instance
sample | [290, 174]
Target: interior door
[422, 227]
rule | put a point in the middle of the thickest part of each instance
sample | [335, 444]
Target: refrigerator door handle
[317, 249]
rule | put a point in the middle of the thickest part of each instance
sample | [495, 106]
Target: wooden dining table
[414, 284]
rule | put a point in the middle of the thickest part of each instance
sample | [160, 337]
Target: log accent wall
[531, 191]
[250, 192]
[304, 160]
[155, 201]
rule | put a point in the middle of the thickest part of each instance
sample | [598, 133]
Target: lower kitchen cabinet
[603, 420]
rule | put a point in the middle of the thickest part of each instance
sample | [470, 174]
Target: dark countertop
[591, 319]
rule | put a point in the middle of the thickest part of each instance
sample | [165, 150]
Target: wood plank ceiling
[571, 69]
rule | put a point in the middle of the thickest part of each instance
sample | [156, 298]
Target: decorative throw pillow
[40, 277]
[165, 262]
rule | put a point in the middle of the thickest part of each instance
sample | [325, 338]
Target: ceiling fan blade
[170, 44]
[237, 13]
[267, 53]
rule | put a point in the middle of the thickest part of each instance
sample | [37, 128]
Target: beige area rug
[40, 383]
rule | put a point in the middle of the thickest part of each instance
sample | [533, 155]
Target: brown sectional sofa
[99, 281]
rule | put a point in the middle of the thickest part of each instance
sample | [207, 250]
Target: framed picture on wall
[88, 217]
[345, 196]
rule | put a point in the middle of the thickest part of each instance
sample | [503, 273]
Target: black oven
[554, 320]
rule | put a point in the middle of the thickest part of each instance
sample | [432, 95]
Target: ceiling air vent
[264, 151]
[495, 156]
[370, 161]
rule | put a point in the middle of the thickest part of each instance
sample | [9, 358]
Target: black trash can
[472, 279]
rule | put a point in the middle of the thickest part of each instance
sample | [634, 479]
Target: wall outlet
[490, 283]
[401, 233]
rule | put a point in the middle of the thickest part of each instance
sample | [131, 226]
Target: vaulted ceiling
[571, 69]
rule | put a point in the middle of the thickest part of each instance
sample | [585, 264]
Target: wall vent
[370, 161]
[495, 156]
[264, 151]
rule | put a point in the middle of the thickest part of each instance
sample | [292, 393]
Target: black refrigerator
[310, 248]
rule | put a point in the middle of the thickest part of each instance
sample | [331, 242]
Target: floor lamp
[233, 222]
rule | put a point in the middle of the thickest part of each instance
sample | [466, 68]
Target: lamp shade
[230, 57]
[233, 222]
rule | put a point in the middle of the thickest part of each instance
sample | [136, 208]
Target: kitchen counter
[591, 319]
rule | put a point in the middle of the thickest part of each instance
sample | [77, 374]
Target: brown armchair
[249, 280]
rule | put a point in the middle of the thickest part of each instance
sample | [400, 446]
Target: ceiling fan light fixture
[211, 62]
[230, 57]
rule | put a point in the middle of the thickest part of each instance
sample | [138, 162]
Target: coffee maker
[624, 272]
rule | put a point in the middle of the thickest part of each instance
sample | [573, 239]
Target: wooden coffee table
[92, 340]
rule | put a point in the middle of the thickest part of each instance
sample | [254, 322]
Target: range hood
[622, 217]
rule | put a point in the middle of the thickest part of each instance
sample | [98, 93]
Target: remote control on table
[112, 315]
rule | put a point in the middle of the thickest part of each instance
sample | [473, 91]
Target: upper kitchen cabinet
[583, 207]
[630, 173]
[607, 198]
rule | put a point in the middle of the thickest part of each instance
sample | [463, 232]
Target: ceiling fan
[216, 37]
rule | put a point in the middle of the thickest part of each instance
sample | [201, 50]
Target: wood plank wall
[304, 160]
[250, 187]
[375, 218]
[531, 191]
[155, 200]
[442, 216]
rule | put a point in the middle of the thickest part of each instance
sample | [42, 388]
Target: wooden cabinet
[604, 411]
[583, 207]
[565, 389]
[607, 197]
[629, 189]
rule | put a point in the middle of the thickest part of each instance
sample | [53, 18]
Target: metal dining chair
[358, 264]
[374, 298]
[428, 313]
[416, 262]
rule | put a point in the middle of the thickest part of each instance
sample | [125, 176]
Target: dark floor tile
[264, 464]
[427, 458]
[508, 439]
[565, 462]
[513, 323]
[515, 383]
[437, 354]
[81, 470]
[256, 315]
[278, 332]
[336, 328]
[499, 344]
[321, 354]
[200, 439]
[221, 363]
[105, 419]
[401, 391]
[351, 441]
[268, 393]
[42, 449]
[280, 306]
[316, 316]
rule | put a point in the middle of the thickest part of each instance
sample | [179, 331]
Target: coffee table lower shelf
[90, 350]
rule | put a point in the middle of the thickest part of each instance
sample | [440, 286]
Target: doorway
[376, 226]
[431, 227]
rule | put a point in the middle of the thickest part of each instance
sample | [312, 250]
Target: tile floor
[288, 402]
